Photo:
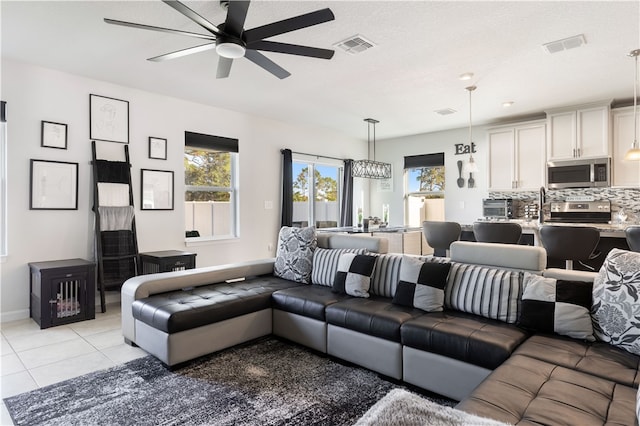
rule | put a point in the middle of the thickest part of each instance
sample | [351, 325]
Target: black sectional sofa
[478, 357]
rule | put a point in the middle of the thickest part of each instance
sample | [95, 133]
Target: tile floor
[33, 358]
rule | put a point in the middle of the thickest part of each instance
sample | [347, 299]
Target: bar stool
[569, 243]
[497, 232]
[440, 235]
[633, 237]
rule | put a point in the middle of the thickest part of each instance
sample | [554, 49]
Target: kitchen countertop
[360, 230]
[532, 226]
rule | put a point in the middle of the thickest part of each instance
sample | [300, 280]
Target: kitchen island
[402, 239]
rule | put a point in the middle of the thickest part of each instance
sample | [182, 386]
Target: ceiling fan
[231, 41]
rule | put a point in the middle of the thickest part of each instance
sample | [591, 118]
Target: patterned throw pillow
[325, 264]
[386, 275]
[616, 301]
[488, 292]
[354, 274]
[294, 256]
[556, 306]
[422, 284]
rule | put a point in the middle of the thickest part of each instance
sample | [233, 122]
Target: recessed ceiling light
[466, 76]
[507, 104]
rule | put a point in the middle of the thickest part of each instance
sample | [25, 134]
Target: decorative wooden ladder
[116, 243]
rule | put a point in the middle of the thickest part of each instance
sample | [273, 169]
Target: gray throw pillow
[294, 256]
[616, 301]
[421, 284]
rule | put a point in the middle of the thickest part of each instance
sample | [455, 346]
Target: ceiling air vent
[564, 44]
[445, 111]
[355, 44]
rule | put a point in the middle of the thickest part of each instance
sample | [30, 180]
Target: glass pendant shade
[371, 169]
[634, 152]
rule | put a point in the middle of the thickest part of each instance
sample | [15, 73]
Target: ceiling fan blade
[183, 52]
[291, 49]
[164, 30]
[180, 7]
[234, 24]
[287, 25]
[266, 63]
[224, 67]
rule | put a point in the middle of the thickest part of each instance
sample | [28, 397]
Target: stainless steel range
[580, 211]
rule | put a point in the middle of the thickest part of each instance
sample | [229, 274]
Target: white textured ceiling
[421, 48]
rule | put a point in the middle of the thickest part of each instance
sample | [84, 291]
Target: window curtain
[346, 210]
[287, 188]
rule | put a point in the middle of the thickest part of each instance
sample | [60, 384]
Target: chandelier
[371, 169]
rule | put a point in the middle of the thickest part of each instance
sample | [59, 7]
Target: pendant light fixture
[371, 169]
[634, 152]
[471, 166]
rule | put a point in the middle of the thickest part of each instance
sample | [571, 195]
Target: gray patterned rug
[266, 382]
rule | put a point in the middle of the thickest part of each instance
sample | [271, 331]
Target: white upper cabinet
[517, 156]
[579, 132]
[625, 173]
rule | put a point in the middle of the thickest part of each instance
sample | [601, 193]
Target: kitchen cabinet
[579, 132]
[517, 156]
[409, 242]
[625, 173]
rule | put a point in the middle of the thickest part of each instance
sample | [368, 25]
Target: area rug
[402, 408]
[267, 382]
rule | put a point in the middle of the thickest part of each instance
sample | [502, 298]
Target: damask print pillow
[616, 301]
[294, 256]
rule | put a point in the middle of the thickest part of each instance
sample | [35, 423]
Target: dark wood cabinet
[62, 291]
[167, 261]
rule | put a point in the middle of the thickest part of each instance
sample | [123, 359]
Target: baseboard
[14, 315]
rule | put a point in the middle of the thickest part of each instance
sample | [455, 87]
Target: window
[320, 182]
[211, 190]
[424, 188]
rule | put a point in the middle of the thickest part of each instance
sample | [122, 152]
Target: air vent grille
[355, 44]
[445, 111]
[564, 44]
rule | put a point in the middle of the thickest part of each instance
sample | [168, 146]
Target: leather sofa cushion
[528, 391]
[185, 309]
[375, 316]
[598, 358]
[466, 337]
[309, 300]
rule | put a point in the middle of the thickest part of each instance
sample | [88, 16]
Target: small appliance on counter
[580, 211]
[499, 208]
[531, 211]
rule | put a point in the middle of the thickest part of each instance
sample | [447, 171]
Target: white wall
[34, 94]
[462, 205]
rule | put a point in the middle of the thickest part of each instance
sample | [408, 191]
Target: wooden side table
[166, 261]
[62, 291]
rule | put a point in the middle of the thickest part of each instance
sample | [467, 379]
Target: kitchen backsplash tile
[626, 198]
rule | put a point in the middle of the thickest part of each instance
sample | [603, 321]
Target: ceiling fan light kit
[232, 41]
[371, 169]
[634, 152]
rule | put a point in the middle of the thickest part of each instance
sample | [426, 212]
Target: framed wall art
[53, 135]
[53, 185]
[109, 119]
[157, 189]
[157, 148]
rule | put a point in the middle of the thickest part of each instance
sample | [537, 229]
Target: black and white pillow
[488, 292]
[386, 275]
[294, 256]
[557, 306]
[422, 284]
[354, 274]
[325, 264]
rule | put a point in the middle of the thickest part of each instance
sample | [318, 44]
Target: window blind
[424, 160]
[216, 143]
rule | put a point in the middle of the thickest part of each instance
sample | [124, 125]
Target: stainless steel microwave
[587, 173]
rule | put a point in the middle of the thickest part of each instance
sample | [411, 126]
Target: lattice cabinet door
[62, 291]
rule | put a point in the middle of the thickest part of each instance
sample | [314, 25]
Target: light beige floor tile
[107, 339]
[10, 364]
[5, 347]
[98, 325]
[5, 418]
[70, 368]
[30, 340]
[123, 353]
[24, 326]
[56, 352]
[14, 384]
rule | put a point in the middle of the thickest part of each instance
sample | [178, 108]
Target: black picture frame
[53, 135]
[156, 189]
[53, 185]
[108, 119]
[157, 148]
